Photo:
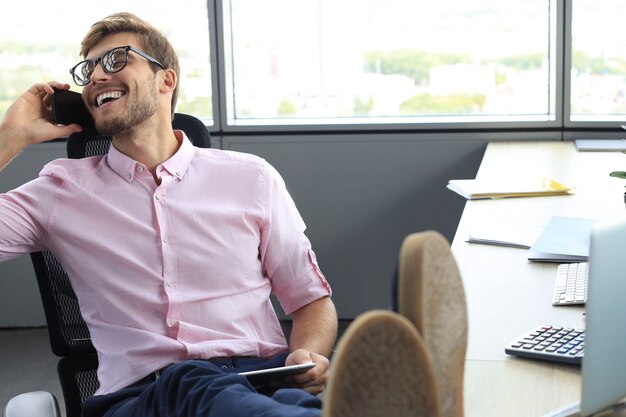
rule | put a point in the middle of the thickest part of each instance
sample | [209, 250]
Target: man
[173, 252]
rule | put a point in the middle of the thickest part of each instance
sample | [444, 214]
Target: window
[598, 61]
[42, 46]
[419, 60]
[327, 63]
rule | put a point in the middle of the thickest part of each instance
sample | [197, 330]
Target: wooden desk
[508, 295]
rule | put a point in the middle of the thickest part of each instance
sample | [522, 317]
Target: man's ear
[168, 81]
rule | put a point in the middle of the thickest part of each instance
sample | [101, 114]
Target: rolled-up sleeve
[21, 218]
[286, 253]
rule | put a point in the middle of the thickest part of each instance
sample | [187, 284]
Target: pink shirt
[173, 271]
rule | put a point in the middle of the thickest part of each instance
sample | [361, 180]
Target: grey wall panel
[361, 194]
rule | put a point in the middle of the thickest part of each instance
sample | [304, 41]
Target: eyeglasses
[111, 61]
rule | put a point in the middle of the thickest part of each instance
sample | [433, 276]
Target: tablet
[263, 376]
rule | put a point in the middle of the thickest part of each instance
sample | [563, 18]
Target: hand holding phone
[68, 108]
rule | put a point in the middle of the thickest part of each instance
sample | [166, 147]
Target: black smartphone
[68, 108]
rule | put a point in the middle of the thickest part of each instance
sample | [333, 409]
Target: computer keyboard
[550, 343]
[570, 285]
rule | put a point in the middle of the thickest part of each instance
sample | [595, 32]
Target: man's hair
[153, 42]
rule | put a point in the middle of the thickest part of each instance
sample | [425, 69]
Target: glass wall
[482, 60]
[598, 61]
[327, 64]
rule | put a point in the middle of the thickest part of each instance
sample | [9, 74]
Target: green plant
[618, 174]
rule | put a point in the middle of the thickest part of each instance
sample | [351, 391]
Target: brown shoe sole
[431, 296]
[381, 369]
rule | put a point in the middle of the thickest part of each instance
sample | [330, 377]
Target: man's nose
[99, 73]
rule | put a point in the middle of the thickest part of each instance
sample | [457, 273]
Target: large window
[40, 41]
[343, 64]
[415, 59]
[598, 61]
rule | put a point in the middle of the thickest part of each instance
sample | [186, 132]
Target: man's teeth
[112, 95]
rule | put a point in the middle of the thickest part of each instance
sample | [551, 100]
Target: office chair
[428, 290]
[82, 144]
[67, 331]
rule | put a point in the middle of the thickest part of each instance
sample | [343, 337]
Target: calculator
[550, 343]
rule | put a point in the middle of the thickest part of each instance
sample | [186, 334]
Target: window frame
[587, 123]
[224, 120]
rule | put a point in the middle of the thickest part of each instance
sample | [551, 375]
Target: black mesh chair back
[68, 333]
[88, 143]
[67, 330]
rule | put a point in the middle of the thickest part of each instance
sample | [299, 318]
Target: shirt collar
[176, 166]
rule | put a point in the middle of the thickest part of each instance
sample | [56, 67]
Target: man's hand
[312, 336]
[29, 118]
[312, 380]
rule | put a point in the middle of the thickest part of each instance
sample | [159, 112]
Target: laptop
[604, 363]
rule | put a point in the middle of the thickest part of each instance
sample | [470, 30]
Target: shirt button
[129, 175]
[169, 283]
[140, 168]
[164, 240]
[157, 197]
[178, 173]
[172, 322]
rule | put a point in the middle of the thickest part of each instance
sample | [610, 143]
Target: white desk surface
[508, 295]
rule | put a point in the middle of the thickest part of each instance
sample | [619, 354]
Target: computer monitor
[604, 364]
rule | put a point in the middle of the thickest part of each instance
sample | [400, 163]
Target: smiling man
[126, 101]
[173, 252]
[174, 277]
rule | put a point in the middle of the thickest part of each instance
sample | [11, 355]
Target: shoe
[431, 296]
[381, 368]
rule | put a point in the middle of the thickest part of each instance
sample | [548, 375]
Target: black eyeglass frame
[95, 61]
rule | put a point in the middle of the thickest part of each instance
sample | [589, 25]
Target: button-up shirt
[170, 271]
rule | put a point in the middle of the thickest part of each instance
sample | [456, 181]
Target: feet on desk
[431, 296]
[381, 368]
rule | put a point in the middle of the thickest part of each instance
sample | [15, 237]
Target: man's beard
[140, 110]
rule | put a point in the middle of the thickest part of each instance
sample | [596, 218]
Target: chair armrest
[32, 404]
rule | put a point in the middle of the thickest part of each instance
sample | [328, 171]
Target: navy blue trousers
[197, 388]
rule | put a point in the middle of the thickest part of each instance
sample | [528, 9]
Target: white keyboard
[570, 285]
